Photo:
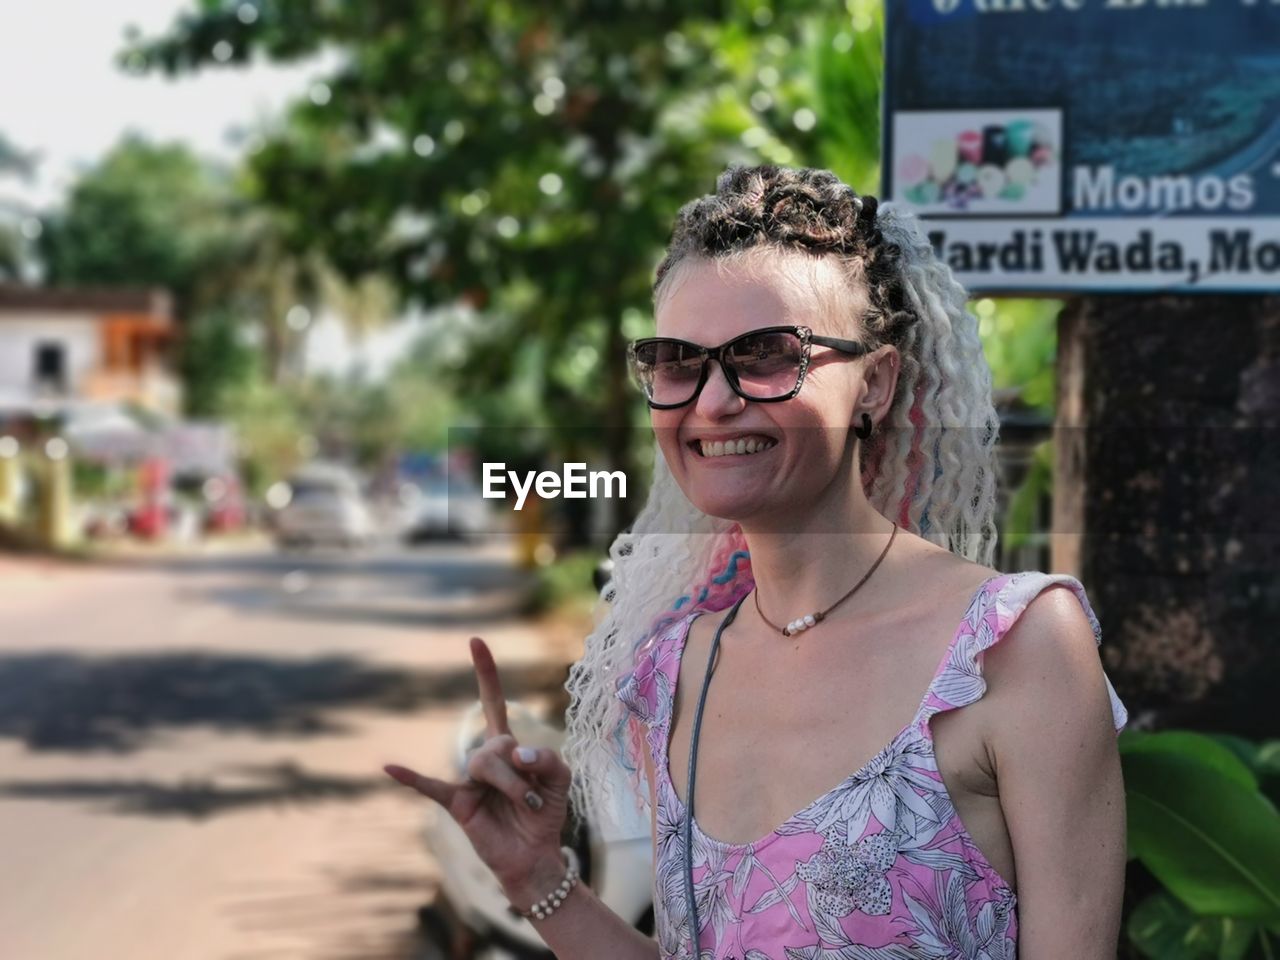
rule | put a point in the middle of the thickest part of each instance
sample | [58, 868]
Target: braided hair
[932, 470]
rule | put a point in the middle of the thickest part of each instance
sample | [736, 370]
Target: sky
[66, 100]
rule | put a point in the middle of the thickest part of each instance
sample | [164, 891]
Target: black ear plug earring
[864, 431]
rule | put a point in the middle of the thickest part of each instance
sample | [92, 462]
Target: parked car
[443, 507]
[325, 505]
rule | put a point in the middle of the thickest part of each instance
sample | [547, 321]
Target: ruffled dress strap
[645, 687]
[991, 614]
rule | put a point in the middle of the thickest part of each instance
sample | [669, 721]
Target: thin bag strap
[693, 756]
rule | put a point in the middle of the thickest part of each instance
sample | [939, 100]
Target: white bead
[808, 620]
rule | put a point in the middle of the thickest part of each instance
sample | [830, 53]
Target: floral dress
[880, 867]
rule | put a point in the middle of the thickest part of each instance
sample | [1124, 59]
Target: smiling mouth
[744, 446]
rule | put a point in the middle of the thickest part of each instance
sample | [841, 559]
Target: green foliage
[1199, 823]
[146, 215]
[567, 583]
[272, 432]
[11, 253]
[366, 421]
[214, 362]
[847, 67]
[1163, 928]
[1021, 519]
[93, 481]
[1020, 339]
[527, 160]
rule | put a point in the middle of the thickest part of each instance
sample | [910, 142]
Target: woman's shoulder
[942, 578]
[1044, 642]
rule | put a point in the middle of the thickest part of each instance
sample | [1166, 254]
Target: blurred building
[62, 350]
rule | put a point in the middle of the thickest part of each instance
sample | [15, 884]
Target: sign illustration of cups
[996, 162]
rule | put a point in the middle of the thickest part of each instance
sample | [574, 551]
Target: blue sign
[1062, 146]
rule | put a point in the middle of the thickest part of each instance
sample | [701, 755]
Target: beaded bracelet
[548, 904]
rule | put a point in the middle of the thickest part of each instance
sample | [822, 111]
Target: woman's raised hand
[513, 802]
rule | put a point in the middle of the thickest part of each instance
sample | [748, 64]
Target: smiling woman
[823, 414]
[823, 410]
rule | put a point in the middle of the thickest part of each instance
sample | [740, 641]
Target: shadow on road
[200, 798]
[475, 614]
[442, 587]
[116, 703]
[332, 917]
[443, 566]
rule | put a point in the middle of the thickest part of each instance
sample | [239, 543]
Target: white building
[62, 351]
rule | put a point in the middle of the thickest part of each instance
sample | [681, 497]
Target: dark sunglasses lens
[767, 364]
[667, 371]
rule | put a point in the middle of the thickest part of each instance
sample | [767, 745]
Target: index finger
[495, 704]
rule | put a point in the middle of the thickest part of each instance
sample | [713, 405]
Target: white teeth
[743, 445]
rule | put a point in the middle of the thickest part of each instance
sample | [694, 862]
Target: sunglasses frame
[805, 334]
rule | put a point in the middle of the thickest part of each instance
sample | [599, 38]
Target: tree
[528, 160]
[147, 214]
[215, 362]
[14, 162]
[157, 215]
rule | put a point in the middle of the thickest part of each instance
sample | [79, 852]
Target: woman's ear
[881, 379]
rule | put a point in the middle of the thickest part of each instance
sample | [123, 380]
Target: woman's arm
[1053, 744]
[583, 926]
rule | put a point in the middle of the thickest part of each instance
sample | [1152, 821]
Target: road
[191, 748]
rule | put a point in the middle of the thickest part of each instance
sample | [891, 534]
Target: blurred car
[444, 507]
[324, 506]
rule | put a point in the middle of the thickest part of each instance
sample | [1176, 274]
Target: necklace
[801, 624]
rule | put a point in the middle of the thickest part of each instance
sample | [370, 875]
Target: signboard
[1089, 145]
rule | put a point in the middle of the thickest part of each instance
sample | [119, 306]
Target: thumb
[437, 790]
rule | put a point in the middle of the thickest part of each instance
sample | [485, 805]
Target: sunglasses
[766, 365]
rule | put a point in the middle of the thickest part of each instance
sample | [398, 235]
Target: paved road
[191, 750]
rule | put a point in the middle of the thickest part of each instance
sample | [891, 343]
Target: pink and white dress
[880, 867]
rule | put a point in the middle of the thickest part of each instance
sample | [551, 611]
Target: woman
[816, 541]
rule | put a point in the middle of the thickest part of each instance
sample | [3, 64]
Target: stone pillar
[1166, 497]
[54, 526]
[10, 484]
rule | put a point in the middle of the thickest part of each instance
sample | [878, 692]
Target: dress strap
[989, 618]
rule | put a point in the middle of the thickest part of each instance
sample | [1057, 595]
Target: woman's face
[810, 435]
